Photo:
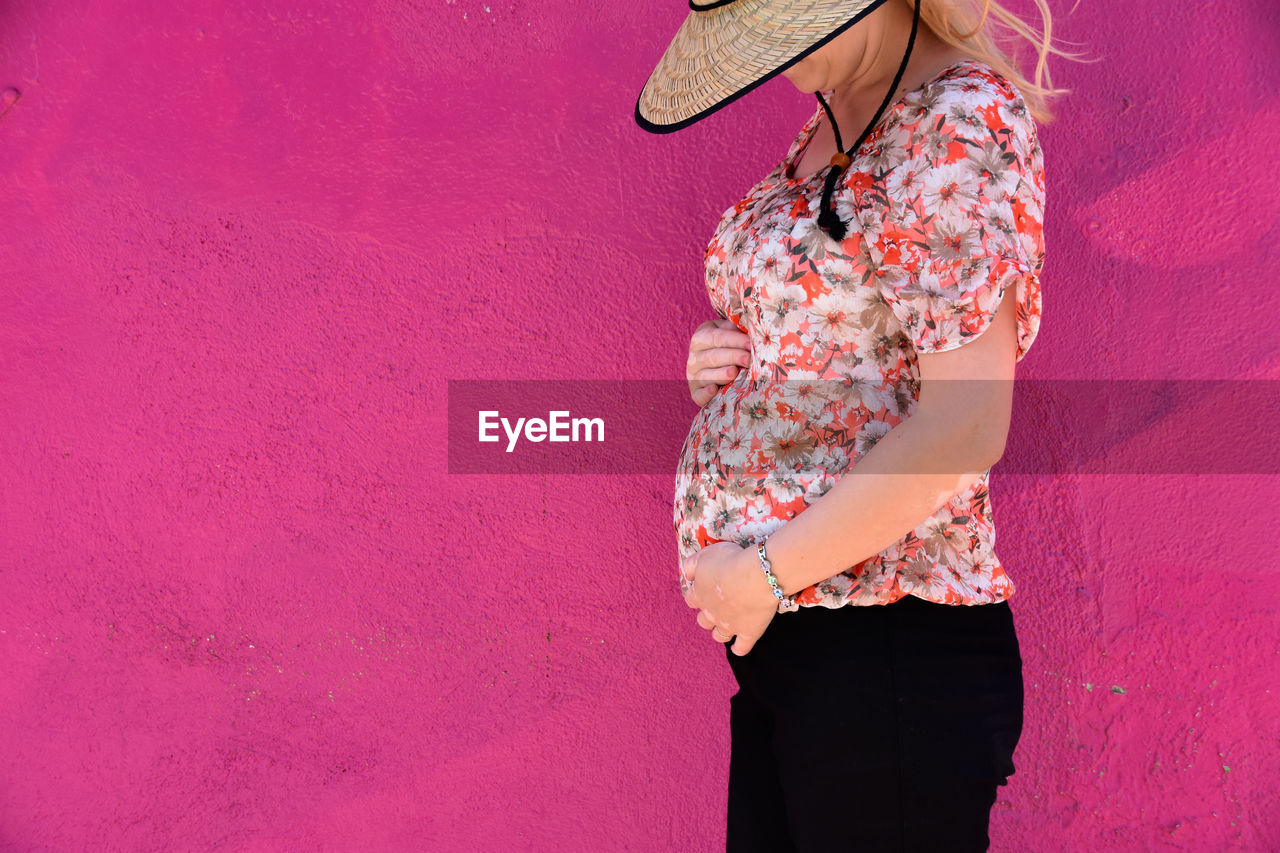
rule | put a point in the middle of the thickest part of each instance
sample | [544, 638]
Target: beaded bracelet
[783, 602]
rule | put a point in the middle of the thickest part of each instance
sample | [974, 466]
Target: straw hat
[726, 48]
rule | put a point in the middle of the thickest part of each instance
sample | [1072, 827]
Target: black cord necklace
[827, 219]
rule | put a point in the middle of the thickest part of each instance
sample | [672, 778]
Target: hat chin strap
[827, 219]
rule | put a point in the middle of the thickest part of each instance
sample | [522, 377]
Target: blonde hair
[977, 27]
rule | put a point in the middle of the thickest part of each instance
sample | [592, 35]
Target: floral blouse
[944, 202]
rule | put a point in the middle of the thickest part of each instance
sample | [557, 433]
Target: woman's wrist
[765, 580]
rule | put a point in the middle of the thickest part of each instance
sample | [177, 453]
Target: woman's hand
[731, 593]
[717, 350]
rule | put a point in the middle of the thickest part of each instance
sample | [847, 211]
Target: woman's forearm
[912, 470]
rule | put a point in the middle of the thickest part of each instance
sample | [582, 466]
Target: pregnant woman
[874, 294]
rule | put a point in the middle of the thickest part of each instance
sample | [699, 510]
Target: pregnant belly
[756, 455]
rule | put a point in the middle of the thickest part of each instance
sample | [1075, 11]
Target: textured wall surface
[243, 606]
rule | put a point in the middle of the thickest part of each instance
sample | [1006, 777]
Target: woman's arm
[957, 431]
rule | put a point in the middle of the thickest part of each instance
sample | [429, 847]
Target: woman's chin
[805, 86]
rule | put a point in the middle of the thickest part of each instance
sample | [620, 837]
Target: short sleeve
[964, 214]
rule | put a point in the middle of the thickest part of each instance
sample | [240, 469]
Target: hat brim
[721, 54]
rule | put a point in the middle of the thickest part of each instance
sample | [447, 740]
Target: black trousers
[874, 728]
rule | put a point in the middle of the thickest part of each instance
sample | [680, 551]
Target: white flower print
[868, 222]
[780, 306]
[759, 509]
[996, 217]
[889, 123]
[905, 395]
[783, 485]
[788, 444]
[973, 273]
[839, 276]
[769, 265]
[735, 448]
[908, 179]
[879, 349]
[1031, 197]
[871, 586]
[743, 489]
[863, 384]
[921, 577]
[919, 105]
[753, 531]
[708, 450]
[1029, 244]
[813, 344]
[721, 515]
[837, 586]
[870, 434]
[930, 286]
[805, 392]
[714, 272]
[789, 353]
[733, 300]
[888, 152]
[1013, 113]
[835, 460]
[866, 303]
[735, 268]
[991, 166]
[943, 540]
[953, 238]
[833, 315]
[974, 569]
[936, 144]
[967, 120]
[690, 502]
[950, 189]
[767, 345]
[818, 486]
[881, 275]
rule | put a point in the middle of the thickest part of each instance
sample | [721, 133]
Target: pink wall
[244, 605]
